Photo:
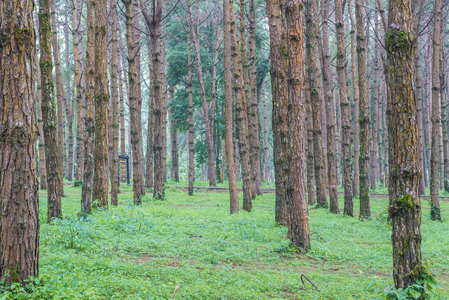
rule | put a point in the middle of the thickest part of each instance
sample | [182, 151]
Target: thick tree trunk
[135, 101]
[345, 109]
[329, 110]
[174, 172]
[113, 172]
[280, 104]
[49, 115]
[364, 114]
[355, 88]
[315, 96]
[436, 116]
[19, 196]
[405, 173]
[298, 229]
[59, 93]
[79, 96]
[233, 192]
[89, 120]
[190, 133]
[194, 26]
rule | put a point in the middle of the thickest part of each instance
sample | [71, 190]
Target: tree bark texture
[19, 184]
[174, 172]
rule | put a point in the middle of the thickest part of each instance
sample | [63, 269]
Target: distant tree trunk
[298, 229]
[19, 195]
[41, 144]
[242, 114]
[115, 105]
[215, 136]
[49, 113]
[173, 142]
[329, 110]
[253, 118]
[89, 120]
[405, 174]
[194, 25]
[355, 88]
[315, 96]
[444, 105]
[375, 125]
[121, 67]
[265, 133]
[311, 195]
[150, 134]
[345, 109]
[135, 101]
[436, 117]
[279, 99]
[337, 118]
[68, 103]
[364, 115]
[59, 93]
[190, 133]
[79, 96]
[164, 107]
[233, 192]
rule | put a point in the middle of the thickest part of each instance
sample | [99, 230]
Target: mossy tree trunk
[19, 195]
[405, 173]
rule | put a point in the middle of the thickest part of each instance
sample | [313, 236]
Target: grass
[146, 252]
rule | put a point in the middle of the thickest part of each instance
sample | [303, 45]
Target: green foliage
[77, 183]
[145, 251]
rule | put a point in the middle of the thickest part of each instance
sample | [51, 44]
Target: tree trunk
[279, 100]
[135, 101]
[190, 133]
[329, 110]
[444, 121]
[150, 134]
[69, 103]
[265, 134]
[115, 105]
[315, 96]
[215, 136]
[311, 195]
[173, 142]
[79, 96]
[89, 120]
[436, 117]
[19, 195]
[355, 87]
[364, 115]
[405, 174]
[49, 113]
[375, 125]
[195, 31]
[59, 94]
[345, 109]
[164, 107]
[121, 67]
[233, 192]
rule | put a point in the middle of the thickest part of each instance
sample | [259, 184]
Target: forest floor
[192, 245]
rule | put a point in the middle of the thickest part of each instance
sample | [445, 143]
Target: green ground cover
[193, 243]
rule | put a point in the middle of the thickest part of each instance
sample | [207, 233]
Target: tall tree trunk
[115, 105]
[19, 195]
[195, 31]
[405, 173]
[135, 101]
[279, 100]
[436, 117]
[265, 133]
[89, 120]
[345, 109]
[49, 115]
[444, 121]
[242, 114]
[311, 195]
[233, 192]
[355, 88]
[41, 144]
[79, 96]
[190, 133]
[292, 20]
[375, 124]
[329, 110]
[150, 134]
[69, 103]
[121, 67]
[173, 142]
[364, 114]
[216, 137]
[154, 23]
[315, 96]
[164, 107]
[59, 93]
